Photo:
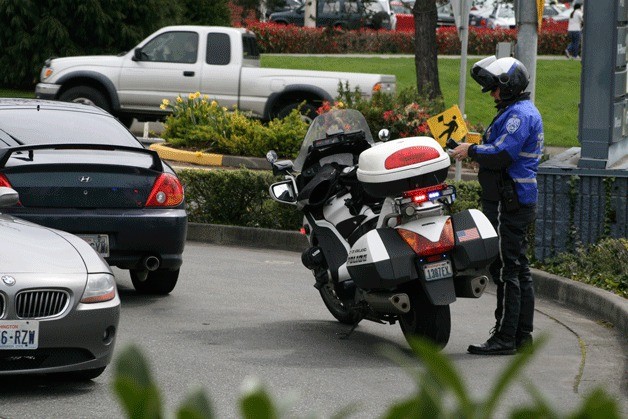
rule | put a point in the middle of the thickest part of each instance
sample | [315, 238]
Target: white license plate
[437, 270]
[99, 242]
[19, 334]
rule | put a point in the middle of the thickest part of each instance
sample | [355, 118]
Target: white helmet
[509, 74]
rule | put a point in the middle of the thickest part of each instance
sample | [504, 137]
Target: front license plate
[437, 270]
[19, 334]
[99, 242]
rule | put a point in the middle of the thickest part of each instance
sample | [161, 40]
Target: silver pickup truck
[221, 62]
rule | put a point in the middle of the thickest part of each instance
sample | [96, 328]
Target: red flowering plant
[274, 38]
[404, 114]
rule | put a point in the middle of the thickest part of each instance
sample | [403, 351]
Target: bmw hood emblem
[8, 279]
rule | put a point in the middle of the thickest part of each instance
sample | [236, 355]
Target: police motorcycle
[383, 244]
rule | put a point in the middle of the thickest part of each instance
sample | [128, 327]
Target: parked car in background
[78, 169]
[59, 307]
[502, 17]
[345, 14]
[288, 5]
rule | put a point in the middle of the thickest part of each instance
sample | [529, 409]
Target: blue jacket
[512, 145]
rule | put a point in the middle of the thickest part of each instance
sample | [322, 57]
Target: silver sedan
[59, 306]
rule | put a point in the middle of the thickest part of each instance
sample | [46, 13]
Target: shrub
[199, 124]
[282, 39]
[602, 264]
[236, 197]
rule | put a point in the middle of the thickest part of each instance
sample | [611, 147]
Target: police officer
[508, 157]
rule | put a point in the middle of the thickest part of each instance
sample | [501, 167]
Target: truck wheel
[308, 111]
[87, 95]
[159, 282]
[426, 320]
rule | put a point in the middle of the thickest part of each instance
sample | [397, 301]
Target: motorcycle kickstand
[346, 335]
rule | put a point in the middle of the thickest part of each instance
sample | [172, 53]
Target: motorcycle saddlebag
[401, 165]
[380, 259]
[476, 242]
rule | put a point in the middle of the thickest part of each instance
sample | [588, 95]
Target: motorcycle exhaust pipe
[388, 302]
[470, 287]
[151, 263]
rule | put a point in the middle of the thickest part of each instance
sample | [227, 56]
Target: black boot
[523, 340]
[498, 344]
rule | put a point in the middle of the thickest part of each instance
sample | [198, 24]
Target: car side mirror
[137, 54]
[8, 197]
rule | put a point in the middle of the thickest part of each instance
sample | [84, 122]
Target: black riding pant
[511, 271]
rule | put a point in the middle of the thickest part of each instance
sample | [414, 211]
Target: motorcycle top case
[475, 241]
[396, 166]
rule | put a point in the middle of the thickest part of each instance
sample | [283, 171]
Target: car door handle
[188, 73]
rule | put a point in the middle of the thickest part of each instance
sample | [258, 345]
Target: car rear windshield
[53, 126]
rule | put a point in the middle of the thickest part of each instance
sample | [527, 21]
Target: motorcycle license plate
[19, 334]
[437, 270]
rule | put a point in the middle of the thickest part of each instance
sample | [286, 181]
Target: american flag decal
[467, 235]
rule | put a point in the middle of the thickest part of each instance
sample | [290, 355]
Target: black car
[345, 14]
[78, 169]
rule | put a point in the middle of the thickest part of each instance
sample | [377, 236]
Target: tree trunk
[426, 49]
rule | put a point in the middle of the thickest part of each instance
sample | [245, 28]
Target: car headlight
[100, 287]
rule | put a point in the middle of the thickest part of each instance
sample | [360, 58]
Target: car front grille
[39, 304]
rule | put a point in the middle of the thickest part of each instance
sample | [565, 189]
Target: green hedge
[240, 197]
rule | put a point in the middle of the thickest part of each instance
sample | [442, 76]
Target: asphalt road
[240, 312]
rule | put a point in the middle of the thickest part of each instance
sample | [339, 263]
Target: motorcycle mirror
[383, 134]
[271, 156]
[283, 192]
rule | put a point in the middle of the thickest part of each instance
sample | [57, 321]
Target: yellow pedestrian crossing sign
[449, 124]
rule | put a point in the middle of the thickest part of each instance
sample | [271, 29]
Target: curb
[580, 297]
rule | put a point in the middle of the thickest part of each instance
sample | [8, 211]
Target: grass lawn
[557, 88]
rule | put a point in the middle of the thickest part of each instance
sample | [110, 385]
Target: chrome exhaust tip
[387, 302]
[151, 263]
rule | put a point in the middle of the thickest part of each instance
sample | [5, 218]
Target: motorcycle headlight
[100, 287]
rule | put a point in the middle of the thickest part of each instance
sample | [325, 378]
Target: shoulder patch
[513, 124]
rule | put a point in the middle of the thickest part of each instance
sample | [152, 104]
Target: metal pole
[527, 38]
[463, 32]
[310, 14]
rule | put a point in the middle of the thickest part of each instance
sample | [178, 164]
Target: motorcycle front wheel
[336, 306]
[426, 320]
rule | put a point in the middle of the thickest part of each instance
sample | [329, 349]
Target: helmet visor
[484, 78]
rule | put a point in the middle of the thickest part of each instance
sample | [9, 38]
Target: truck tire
[86, 95]
[308, 111]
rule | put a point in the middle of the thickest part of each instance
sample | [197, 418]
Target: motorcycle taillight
[425, 247]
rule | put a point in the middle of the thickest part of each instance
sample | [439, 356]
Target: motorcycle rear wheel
[336, 306]
[425, 320]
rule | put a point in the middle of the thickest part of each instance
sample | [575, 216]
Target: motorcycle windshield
[332, 123]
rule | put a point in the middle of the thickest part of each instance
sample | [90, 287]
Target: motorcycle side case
[381, 260]
[476, 242]
[427, 165]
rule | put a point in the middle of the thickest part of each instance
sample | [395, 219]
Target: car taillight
[410, 155]
[167, 192]
[4, 181]
[425, 247]
[425, 194]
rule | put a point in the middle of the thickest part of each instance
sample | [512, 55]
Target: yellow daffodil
[214, 104]
[179, 100]
[165, 102]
